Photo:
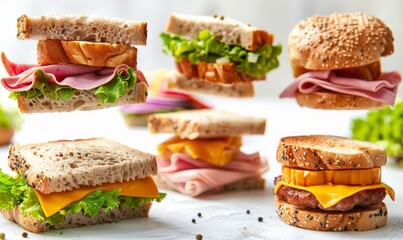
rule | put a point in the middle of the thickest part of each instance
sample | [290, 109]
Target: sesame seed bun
[339, 41]
[337, 101]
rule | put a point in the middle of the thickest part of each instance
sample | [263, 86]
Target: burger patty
[306, 199]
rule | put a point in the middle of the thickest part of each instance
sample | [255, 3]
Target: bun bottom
[358, 219]
[179, 81]
[77, 220]
[337, 101]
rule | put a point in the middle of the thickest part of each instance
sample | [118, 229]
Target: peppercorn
[2, 236]
[260, 219]
[199, 237]
[248, 211]
[24, 234]
[193, 220]
[199, 214]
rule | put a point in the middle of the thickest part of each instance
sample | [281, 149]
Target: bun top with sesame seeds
[324, 152]
[339, 41]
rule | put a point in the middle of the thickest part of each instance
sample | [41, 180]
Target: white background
[224, 214]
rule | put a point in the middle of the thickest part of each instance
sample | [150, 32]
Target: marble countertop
[224, 215]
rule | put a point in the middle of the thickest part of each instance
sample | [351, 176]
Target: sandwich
[204, 156]
[336, 60]
[331, 183]
[217, 55]
[159, 100]
[73, 183]
[83, 63]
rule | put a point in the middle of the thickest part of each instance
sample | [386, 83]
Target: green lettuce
[108, 93]
[384, 127]
[10, 118]
[207, 48]
[15, 191]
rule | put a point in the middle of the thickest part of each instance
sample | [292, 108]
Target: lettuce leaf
[10, 118]
[384, 127]
[15, 191]
[108, 93]
[207, 48]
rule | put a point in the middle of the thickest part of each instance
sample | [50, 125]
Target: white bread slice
[205, 123]
[253, 183]
[74, 27]
[64, 165]
[225, 30]
[358, 219]
[179, 81]
[337, 101]
[87, 53]
[77, 220]
[321, 152]
[83, 100]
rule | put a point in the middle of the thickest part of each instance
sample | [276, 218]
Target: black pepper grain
[260, 219]
[24, 234]
[248, 211]
[199, 215]
[199, 237]
[193, 220]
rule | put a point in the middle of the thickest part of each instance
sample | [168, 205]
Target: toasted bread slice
[77, 220]
[71, 27]
[339, 101]
[205, 123]
[178, 81]
[68, 164]
[84, 100]
[86, 53]
[360, 219]
[225, 30]
[320, 152]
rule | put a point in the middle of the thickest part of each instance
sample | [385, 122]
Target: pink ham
[383, 90]
[76, 76]
[194, 177]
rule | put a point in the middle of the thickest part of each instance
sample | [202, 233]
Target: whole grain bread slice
[320, 152]
[68, 164]
[179, 81]
[225, 30]
[76, 220]
[84, 100]
[75, 27]
[205, 123]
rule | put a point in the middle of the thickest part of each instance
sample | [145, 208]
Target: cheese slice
[217, 151]
[329, 195]
[54, 202]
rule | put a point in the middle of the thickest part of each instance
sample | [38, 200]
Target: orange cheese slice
[304, 177]
[217, 151]
[54, 202]
[329, 195]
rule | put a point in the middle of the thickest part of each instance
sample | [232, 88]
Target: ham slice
[383, 90]
[194, 177]
[81, 77]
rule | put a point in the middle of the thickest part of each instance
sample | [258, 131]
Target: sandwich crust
[339, 41]
[72, 27]
[83, 100]
[225, 30]
[321, 152]
[205, 123]
[359, 219]
[77, 220]
[337, 101]
[86, 53]
[64, 165]
[179, 81]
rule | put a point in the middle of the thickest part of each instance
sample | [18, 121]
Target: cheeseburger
[336, 62]
[331, 183]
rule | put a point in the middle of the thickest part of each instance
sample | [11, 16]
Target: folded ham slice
[194, 177]
[80, 77]
[383, 90]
